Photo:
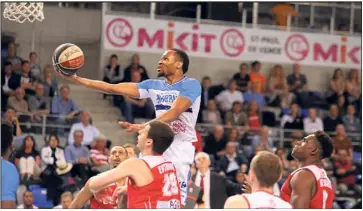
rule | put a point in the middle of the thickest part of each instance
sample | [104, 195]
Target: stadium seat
[40, 197]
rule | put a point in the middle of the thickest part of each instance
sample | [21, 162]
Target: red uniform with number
[162, 192]
[324, 196]
[103, 199]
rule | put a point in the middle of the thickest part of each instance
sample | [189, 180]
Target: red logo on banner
[119, 32]
[297, 47]
[232, 42]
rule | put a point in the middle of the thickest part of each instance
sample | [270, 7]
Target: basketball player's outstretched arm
[236, 202]
[82, 198]
[129, 89]
[302, 186]
[132, 167]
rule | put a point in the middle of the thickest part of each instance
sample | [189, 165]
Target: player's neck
[309, 162]
[174, 78]
[259, 189]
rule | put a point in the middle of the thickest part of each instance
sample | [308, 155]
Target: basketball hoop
[20, 11]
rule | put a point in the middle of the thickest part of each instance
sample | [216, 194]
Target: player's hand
[246, 187]
[132, 127]
[66, 77]
[119, 191]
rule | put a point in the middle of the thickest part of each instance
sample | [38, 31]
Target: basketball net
[22, 11]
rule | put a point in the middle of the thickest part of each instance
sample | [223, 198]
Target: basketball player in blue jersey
[176, 100]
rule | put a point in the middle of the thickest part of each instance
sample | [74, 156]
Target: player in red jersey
[103, 199]
[152, 180]
[309, 186]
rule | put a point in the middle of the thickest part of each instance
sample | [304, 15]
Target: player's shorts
[182, 156]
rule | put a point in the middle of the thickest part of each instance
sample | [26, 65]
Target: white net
[22, 11]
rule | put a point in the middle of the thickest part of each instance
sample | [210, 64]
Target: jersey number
[170, 187]
[325, 197]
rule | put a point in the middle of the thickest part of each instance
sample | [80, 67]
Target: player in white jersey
[176, 100]
[265, 171]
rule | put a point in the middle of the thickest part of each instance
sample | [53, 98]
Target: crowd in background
[236, 121]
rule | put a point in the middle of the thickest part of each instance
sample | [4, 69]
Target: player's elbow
[93, 184]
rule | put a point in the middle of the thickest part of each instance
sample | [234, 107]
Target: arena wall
[83, 27]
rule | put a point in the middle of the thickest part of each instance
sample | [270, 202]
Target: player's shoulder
[152, 84]
[303, 176]
[188, 80]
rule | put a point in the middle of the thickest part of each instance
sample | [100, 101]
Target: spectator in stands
[49, 81]
[52, 154]
[64, 106]
[257, 77]
[27, 81]
[242, 78]
[13, 58]
[293, 120]
[9, 173]
[211, 115]
[312, 123]
[28, 200]
[280, 13]
[277, 88]
[99, 154]
[27, 159]
[9, 83]
[253, 95]
[78, 155]
[131, 150]
[297, 82]
[214, 188]
[141, 107]
[233, 136]
[331, 121]
[254, 116]
[39, 104]
[89, 131]
[341, 105]
[285, 163]
[263, 140]
[209, 92]
[353, 87]
[240, 177]
[342, 142]
[66, 200]
[112, 71]
[236, 116]
[350, 120]
[336, 86]
[216, 142]
[345, 172]
[231, 162]
[11, 116]
[227, 97]
[35, 69]
[135, 65]
[18, 103]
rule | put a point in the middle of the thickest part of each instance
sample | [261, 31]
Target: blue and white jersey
[163, 95]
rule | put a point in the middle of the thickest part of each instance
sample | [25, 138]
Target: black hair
[7, 63]
[6, 136]
[183, 57]
[162, 136]
[33, 140]
[32, 53]
[325, 142]
[255, 63]
[25, 62]
[113, 56]
[50, 137]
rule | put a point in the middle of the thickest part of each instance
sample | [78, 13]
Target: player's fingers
[124, 124]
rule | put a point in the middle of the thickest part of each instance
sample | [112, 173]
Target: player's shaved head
[267, 168]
